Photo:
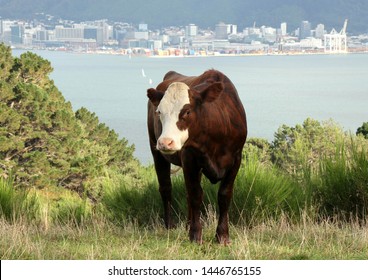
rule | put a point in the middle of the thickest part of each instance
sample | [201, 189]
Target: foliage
[294, 148]
[363, 130]
[43, 142]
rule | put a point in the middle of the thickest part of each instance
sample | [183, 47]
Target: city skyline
[46, 32]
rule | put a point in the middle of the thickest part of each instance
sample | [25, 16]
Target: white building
[68, 34]
[283, 28]
[191, 30]
[320, 31]
[311, 43]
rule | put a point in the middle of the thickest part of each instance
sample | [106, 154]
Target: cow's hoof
[196, 237]
[223, 239]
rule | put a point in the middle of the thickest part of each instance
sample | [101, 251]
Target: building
[232, 29]
[304, 30]
[143, 27]
[94, 33]
[221, 31]
[68, 34]
[16, 34]
[283, 28]
[191, 30]
[311, 43]
[320, 31]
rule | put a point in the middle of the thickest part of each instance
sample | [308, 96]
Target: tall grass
[342, 182]
[17, 204]
[72, 210]
[262, 192]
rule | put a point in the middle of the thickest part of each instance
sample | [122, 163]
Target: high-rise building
[320, 31]
[221, 31]
[232, 29]
[94, 33]
[191, 30]
[305, 29]
[143, 27]
[283, 28]
[17, 32]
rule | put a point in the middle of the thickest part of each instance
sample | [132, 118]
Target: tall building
[143, 27]
[94, 33]
[232, 29]
[191, 30]
[283, 28]
[320, 31]
[305, 29]
[17, 32]
[221, 31]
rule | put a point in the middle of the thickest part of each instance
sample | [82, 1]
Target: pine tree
[43, 142]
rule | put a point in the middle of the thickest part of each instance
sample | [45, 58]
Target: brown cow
[197, 123]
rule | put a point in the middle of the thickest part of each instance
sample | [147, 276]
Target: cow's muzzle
[166, 145]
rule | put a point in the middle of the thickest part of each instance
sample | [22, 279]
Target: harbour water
[275, 90]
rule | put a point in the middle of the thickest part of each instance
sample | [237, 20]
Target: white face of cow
[172, 138]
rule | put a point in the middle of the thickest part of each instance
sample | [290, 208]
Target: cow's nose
[165, 143]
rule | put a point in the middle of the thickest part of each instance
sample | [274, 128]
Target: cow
[198, 123]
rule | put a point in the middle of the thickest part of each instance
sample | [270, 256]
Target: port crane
[336, 42]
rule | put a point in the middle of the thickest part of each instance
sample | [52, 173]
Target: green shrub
[294, 148]
[363, 130]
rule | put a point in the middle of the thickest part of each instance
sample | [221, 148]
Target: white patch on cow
[175, 98]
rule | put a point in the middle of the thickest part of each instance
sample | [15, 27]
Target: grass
[104, 240]
[17, 204]
[320, 213]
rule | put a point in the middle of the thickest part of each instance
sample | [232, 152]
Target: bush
[363, 130]
[294, 148]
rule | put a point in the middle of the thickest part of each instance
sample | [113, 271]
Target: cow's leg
[225, 194]
[192, 176]
[163, 175]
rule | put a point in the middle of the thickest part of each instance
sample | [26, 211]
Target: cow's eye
[158, 112]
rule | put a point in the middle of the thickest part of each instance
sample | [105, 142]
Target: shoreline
[129, 53]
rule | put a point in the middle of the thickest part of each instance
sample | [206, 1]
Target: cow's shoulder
[172, 75]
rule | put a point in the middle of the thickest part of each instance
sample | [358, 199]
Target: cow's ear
[154, 96]
[211, 92]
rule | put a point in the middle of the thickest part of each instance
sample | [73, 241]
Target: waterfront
[275, 90]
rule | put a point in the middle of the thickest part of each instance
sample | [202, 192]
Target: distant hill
[205, 13]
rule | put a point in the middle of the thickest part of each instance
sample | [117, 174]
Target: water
[275, 90]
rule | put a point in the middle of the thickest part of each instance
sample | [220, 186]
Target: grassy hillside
[204, 13]
[70, 189]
